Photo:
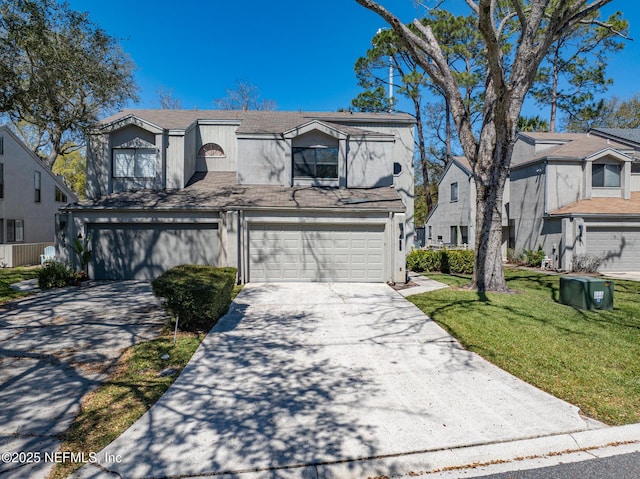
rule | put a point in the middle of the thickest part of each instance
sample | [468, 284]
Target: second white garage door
[293, 252]
[618, 247]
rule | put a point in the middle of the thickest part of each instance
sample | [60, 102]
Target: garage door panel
[285, 252]
[618, 248]
[144, 251]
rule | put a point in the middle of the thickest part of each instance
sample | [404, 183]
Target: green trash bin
[585, 292]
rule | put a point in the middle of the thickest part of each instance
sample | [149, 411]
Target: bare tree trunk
[554, 95]
[447, 123]
[424, 164]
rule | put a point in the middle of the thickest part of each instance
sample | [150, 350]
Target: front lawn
[588, 358]
[8, 276]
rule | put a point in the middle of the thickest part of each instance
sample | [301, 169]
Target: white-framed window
[454, 191]
[315, 162]
[134, 162]
[15, 231]
[606, 175]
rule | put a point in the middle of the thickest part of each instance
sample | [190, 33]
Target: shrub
[534, 258]
[444, 260]
[585, 263]
[197, 295]
[55, 274]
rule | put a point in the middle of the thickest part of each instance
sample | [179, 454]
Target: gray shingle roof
[628, 134]
[219, 191]
[260, 121]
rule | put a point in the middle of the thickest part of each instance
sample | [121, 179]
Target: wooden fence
[21, 254]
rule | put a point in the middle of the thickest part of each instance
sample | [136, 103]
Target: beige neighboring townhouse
[282, 196]
[30, 196]
[574, 194]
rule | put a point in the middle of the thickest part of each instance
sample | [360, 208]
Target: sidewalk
[422, 285]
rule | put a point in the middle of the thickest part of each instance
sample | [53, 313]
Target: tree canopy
[245, 96]
[515, 37]
[60, 72]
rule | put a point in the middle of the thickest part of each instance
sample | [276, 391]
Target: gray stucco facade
[575, 195]
[28, 197]
[204, 186]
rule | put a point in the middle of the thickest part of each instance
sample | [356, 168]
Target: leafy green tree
[59, 71]
[532, 123]
[516, 37]
[434, 135]
[610, 113]
[72, 167]
[574, 70]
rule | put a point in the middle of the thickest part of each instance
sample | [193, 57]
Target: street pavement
[345, 381]
[56, 346]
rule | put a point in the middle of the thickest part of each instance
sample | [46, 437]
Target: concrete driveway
[55, 346]
[328, 380]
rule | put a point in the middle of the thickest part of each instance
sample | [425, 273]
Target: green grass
[588, 358]
[126, 396]
[9, 276]
[128, 393]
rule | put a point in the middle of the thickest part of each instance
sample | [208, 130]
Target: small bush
[534, 258]
[197, 295]
[55, 274]
[585, 263]
[443, 260]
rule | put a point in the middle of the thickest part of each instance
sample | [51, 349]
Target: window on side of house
[454, 235]
[315, 162]
[605, 175]
[37, 185]
[454, 191]
[1, 145]
[134, 163]
[60, 196]
[1, 180]
[15, 231]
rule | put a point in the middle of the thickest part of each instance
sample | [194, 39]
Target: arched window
[211, 150]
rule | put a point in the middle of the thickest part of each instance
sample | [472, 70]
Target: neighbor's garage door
[144, 251]
[620, 247]
[286, 252]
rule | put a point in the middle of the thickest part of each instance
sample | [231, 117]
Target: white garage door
[620, 247]
[144, 251]
[285, 252]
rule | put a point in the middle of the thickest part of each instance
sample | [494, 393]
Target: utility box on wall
[584, 292]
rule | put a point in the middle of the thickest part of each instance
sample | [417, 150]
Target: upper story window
[454, 191]
[60, 196]
[1, 145]
[134, 163]
[315, 162]
[211, 150]
[1, 180]
[606, 175]
[37, 183]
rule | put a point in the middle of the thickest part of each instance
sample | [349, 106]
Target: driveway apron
[300, 375]
[55, 347]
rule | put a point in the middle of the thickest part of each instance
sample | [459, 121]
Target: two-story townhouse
[572, 193]
[282, 196]
[452, 221]
[30, 195]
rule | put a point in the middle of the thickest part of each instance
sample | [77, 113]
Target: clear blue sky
[299, 53]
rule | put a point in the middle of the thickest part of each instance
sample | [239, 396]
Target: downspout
[546, 187]
[240, 251]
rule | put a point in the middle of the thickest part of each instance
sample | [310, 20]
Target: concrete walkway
[338, 381]
[56, 346]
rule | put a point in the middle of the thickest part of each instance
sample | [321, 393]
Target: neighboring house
[282, 196]
[30, 194]
[452, 221]
[572, 193]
